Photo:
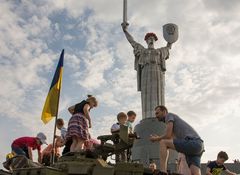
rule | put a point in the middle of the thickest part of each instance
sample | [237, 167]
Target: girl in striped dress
[80, 122]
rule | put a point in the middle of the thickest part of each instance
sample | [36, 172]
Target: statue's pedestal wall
[144, 151]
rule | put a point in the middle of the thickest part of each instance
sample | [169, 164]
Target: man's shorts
[192, 148]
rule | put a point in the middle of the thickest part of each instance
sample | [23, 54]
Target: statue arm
[129, 36]
[165, 51]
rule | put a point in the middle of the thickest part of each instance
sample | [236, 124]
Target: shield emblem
[170, 32]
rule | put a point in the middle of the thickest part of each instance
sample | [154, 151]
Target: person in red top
[25, 145]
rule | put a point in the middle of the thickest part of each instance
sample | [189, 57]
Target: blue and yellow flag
[50, 108]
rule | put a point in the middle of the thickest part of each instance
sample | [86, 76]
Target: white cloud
[68, 37]
[108, 99]
[96, 65]
[73, 61]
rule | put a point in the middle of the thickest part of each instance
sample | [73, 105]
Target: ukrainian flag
[50, 109]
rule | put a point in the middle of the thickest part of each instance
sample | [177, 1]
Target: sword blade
[125, 11]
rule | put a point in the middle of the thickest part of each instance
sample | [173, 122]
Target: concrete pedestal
[144, 151]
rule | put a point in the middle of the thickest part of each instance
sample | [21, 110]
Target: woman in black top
[80, 122]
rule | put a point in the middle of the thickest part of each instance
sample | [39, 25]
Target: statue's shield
[170, 32]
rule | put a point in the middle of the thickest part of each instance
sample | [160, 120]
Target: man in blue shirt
[179, 136]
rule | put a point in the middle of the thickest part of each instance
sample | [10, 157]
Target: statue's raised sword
[125, 23]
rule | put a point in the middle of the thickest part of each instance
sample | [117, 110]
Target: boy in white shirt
[60, 126]
[122, 119]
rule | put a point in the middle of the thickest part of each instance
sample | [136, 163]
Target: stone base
[144, 151]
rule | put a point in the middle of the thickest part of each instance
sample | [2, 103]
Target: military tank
[91, 162]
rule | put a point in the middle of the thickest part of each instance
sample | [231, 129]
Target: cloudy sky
[202, 79]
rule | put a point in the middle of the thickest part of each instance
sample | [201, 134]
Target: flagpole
[55, 123]
[54, 133]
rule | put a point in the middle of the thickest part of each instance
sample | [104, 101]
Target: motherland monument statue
[150, 66]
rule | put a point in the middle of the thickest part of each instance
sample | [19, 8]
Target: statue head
[150, 38]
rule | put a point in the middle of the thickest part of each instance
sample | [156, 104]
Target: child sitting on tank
[122, 119]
